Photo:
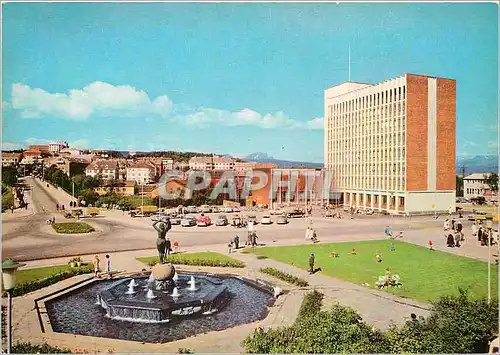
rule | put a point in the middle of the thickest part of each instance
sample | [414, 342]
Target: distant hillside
[478, 164]
[265, 158]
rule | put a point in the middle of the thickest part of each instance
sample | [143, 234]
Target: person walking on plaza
[388, 232]
[108, 266]
[236, 241]
[96, 262]
[168, 247]
[311, 264]
[474, 229]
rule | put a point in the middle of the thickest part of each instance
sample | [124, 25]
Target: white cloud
[103, 99]
[79, 144]
[36, 141]
[11, 146]
[98, 98]
[493, 147]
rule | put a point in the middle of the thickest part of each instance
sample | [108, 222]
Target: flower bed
[284, 276]
[72, 227]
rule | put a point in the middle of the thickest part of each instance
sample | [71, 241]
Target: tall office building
[391, 146]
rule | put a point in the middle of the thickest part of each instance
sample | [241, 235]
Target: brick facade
[446, 132]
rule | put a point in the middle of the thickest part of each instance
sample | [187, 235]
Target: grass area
[72, 227]
[425, 275]
[200, 259]
[29, 275]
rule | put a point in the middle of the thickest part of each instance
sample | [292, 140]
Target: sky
[231, 78]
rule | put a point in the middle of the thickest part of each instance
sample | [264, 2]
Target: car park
[221, 220]
[188, 221]
[266, 220]
[282, 220]
[203, 221]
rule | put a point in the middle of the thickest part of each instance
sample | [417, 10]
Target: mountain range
[476, 164]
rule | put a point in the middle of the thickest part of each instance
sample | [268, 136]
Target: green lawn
[425, 275]
[72, 227]
[201, 259]
[27, 275]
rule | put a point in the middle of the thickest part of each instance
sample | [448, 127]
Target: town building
[181, 165]
[391, 146]
[70, 166]
[211, 163]
[106, 169]
[56, 147]
[475, 186]
[11, 159]
[123, 188]
[142, 173]
[249, 166]
[31, 157]
[41, 148]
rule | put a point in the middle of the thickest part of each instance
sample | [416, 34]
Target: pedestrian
[12, 209]
[474, 229]
[230, 247]
[453, 223]
[414, 319]
[108, 266]
[236, 242]
[446, 224]
[450, 242]
[388, 232]
[311, 264]
[457, 239]
[176, 246]
[57, 207]
[62, 207]
[95, 262]
[480, 234]
[431, 247]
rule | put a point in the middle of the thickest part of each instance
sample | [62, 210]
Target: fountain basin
[210, 296]
[76, 312]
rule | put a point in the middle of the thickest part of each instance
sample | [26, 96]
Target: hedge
[284, 276]
[28, 287]
[179, 259]
[72, 227]
[28, 348]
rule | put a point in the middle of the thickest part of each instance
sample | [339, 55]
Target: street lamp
[489, 225]
[9, 269]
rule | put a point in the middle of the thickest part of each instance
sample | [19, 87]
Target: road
[30, 238]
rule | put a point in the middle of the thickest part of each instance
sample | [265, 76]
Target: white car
[282, 220]
[266, 220]
[206, 209]
[158, 217]
[227, 209]
[188, 221]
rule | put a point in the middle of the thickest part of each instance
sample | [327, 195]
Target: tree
[460, 186]
[9, 176]
[492, 181]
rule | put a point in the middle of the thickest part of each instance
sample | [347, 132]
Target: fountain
[132, 283]
[175, 278]
[131, 290]
[192, 284]
[150, 295]
[175, 293]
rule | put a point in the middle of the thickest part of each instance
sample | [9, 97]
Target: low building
[211, 163]
[106, 169]
[172, 189]
[41, 148]
[124, 188]
[181, 165]
[475, 186]
[56, 147]
[10, 159]
[142, 173]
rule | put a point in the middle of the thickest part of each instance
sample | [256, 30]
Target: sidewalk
[61, 196]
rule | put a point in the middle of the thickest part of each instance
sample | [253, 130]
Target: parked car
[282, 219]
[216, 209]
[175, 220]
[295, 213]
[369, 212]
[347, 209]
[191, 209]
[329, 213]
[221, 220]
[252, 218]
[236, 209]
[206, 209]
[480, 200]
[275, 212]
[227, 209]
[159, 216]
[203, 221]
[266, 220]
[188, 221]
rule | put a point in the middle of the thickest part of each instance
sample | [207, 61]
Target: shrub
[72, 227]
[311, 304]
[28, 348]
[261, 257]
[28, 287]
[7, 200]
[184, 351]
[179, 259]
[284, 276]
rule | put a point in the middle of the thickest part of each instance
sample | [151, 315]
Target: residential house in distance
[41, 148]
[107, 169]
[70, 166]
[56, 147]
[123, 188]
[31, 157]
[181, 165]
[476, 186]
[173, 188]
[9, 159]
[142, 173]
[211, 163]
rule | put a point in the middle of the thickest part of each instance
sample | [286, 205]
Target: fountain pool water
[162, 319]
[150, 294]
[131, 290]
[176, 293]
[132, 283]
